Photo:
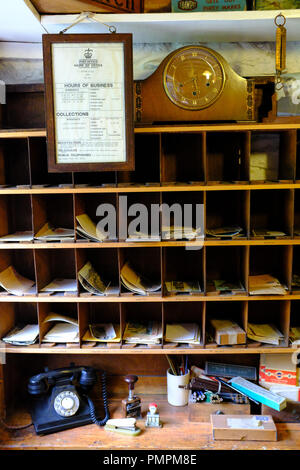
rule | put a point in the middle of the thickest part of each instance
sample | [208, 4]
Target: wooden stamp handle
[131, 380]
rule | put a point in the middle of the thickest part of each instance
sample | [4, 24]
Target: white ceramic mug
[177, 396]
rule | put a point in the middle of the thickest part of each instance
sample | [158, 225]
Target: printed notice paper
[89, 102]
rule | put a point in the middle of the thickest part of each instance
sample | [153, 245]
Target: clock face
[193, 78]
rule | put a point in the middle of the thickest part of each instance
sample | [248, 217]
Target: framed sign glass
[89, 102]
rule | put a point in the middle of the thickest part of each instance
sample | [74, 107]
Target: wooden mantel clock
[194, 83]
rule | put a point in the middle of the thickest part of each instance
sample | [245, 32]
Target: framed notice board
[89, 102]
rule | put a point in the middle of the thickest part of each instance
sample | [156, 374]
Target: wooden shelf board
[215, 127]
[50, 245]
[151, 189]
[175, 128]
[21, 133]
[229, 26]
[177, 433]
[138, 351]
[148, 298]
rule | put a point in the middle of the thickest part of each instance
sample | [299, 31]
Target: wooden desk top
[177, 434]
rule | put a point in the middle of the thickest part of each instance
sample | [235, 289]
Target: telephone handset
[60, 399]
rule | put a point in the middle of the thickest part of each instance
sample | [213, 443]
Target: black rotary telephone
[60, 399]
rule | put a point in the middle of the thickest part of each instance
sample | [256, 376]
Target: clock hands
[194, 80]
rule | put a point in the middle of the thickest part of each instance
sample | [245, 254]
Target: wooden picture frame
[89, 102]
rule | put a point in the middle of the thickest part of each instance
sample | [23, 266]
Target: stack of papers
[267, 233]
[224, 232]
[136, 282]
[26, 236]
[294, 335]
[91, 281]
[265, 284]
[183, 287]
[143, 332]
[22, 336]
[178, 232]
[16, 284]
[296, 282]
[61, 285]
[47, 233]
[103, 333]
[88, 229]
[183, 333]
[64, 331]
[235, 287]
[142, 237]
[264, 334]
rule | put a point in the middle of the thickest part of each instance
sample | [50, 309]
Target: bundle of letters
[88, 229]
[143, 332]
[137, 283]
[183, 333]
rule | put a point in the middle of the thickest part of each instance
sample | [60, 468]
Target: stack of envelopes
[183, 333]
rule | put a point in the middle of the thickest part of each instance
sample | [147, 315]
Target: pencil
[171, 365]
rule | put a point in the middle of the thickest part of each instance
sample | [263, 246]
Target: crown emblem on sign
[88, 53]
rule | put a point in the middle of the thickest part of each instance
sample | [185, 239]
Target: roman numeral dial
[193, 78]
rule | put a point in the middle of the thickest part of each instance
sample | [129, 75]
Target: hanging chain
[90, 16]
[280, 51]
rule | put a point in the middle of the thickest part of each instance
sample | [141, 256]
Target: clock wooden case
[194, 83]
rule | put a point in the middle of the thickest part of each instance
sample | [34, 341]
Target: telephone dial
[60, 400]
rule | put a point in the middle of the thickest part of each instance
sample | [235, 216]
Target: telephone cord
[14, 428]
[105, 404]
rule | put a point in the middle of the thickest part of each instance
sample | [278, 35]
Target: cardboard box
[277, 369]
[243, 428]
[227, 332]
